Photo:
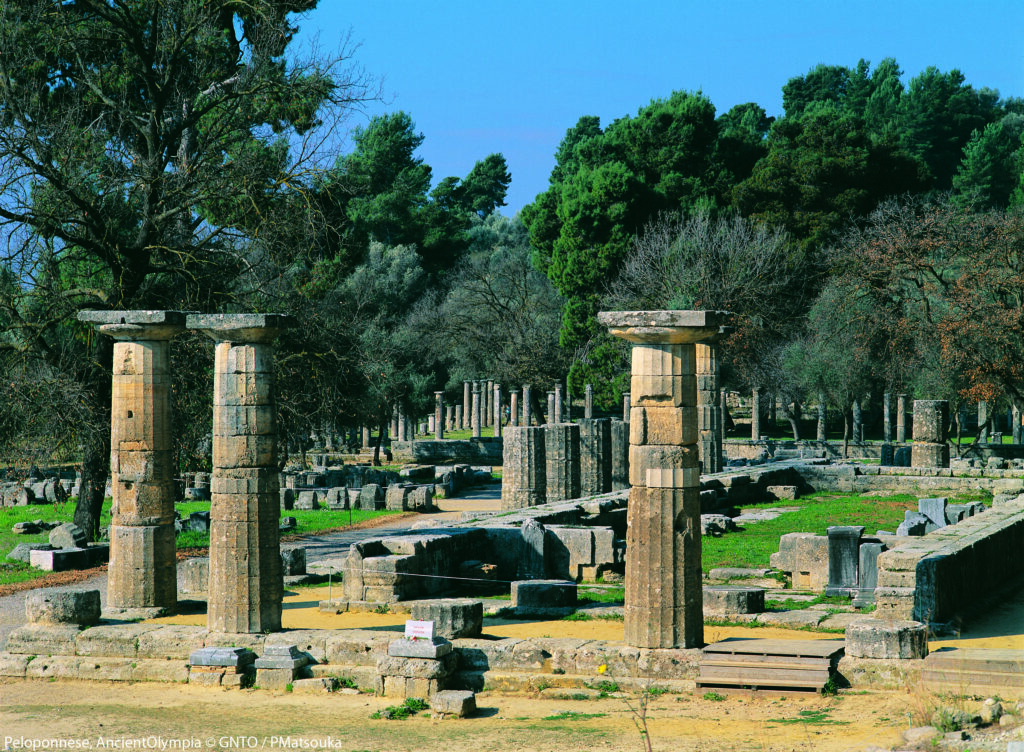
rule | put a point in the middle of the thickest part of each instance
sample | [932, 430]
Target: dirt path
[215, 718]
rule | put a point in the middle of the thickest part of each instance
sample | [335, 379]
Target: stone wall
[476, 451]
[938, 577]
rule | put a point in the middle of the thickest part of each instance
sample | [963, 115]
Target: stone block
[453, 617]
[287, 499]
[23, 551]
[306, 500]
[663, 425]
[434, 649]
[543, 597]
[663, 466]
[929, 455]
[175, 642]
[194, 575]
[279, 656]
[843, 558]
[337, 498]
[63, 606]
[68, 535]
[879, 638]
[595, 456]
[396, 497]
[931, 417]
[902, 457]
[453, 703]
[43, 639]
[113, 640]
[421, 498]
[524, 466]
[199, 522]
[787, 493]
[805, 557]
[217, 656]
[562, 461]
[914, 523]
[370, 495]
[724, 600]
[620, 454]
[934, 510]
[293, 560]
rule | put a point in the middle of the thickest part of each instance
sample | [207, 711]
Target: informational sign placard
[419, 630]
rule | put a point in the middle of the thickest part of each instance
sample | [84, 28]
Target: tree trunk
[793, 416]
[822, 417]
[858, 421]
[379, 441]
[96, 449]
[535, 407]
[959, 433]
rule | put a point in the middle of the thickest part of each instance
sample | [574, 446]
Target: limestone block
[356, 647]
[805, 557]
[293, 560]
[194, 575]
[420, 668]
[246, 480]
[218, 656]
[43, 639]
[142, 569]
[23, 551]
[453, 703]
[68, 535]
[434, 649]
[141, 466]
[59, 560]
[171, 642]
[396, 497]
[663, 375]
[543, 596]
[620, 454]
[784, 492]
[595, 456]
[160, 670]
[929, 455]
[240, 451]
[663, 466]
[722, 600]
[63, 606]
[879, 638]
[112, 640]
[562, 461]
[931, 417]
[370, 495]
[453, 617]
[663, 425]
[143, 503]
[524, 467]
[306, 500]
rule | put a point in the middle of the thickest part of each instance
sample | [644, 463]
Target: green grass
[572, 715]
[810, 718]
[788, 604]
[752, 546]
[307, 522]
[600, 595]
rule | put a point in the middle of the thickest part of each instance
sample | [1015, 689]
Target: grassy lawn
[308, 521]
[752, 546]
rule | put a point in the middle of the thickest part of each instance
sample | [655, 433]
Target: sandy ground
[214, 718]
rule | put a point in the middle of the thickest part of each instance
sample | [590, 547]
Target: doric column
[439, 415]
[562, 456]
[887, 417]
[467, 407]
[626, 405]
[513, 409]
[403, 425]
[523, 468]
[822, 417]
[496, 402]
[983, 420]
[477, 428]
[246, 584]
[664, 597]
[460, 418]
[527, 406]
[551, 408]
[559, 414]
[931, 419]
[489, 409]
[901, 418]
[1015, 424]
[142, 573]
[366, 436]
[755, 414]
[595, 456]
[588, 402]
[709, 405]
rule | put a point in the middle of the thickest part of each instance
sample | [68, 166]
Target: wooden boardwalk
[777, 665]
[975, 671]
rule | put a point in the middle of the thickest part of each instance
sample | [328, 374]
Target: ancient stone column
[366, 436]
[496, 401]
[559, 413]
[901, 418]
[394, 424]
[430, 424]
[489, 410]
[562, 456]
[449, 417]
[1015, 424]
[527, 407]
[887, 417]
[142, 573]
[931, 418]
[467, 409]
[822, 417]
[403, 426]
[625, 407]
[595, 456]
[246, 583]
[513, 409]
[438, 415]
[523, 467]
[620, 455]
[460, 418]
[477, 428]
[755, 414]
[724, 413]
[664, 596]
[551, 408]
[709, 406]
[588, 402]
[858, 421]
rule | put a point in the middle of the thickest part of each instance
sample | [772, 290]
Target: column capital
[240, 327]
[664, 327]
[136, 325]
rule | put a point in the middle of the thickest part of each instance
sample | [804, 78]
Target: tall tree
[138, 141]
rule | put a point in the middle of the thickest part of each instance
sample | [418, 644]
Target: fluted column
[477, 428]
[551, 408]
[709, 405]
[901, 418]
[524, 467]
[588, 402]
[438, 415]
[513, 409]
[142, 573]
[559, 414]
[496, 416]
[246, 584]
[467, 407]
[527, 405]
[664, 597]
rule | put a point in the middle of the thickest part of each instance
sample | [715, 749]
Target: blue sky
[511, 77]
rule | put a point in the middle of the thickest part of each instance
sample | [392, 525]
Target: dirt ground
[214, 718]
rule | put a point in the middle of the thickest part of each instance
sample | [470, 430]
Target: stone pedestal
[142, 572]
[477, 417]
[931, 418]
[246, 584]
[527, 405]
[595, 456]
[664, 606]
[885, 639]
[439, 415]
[843, 559]
[417, 668]
[524, 468]
[588, 402]
[562, 460]
[901, 417]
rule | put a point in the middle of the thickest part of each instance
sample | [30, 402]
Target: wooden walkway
[975, 671]
[776, 665]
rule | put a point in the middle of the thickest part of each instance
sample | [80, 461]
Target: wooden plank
[763, 660]
[753, 677]
[815, 686]
[780, 662]
[744, 645]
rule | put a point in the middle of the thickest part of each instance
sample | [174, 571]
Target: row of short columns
[246, 585]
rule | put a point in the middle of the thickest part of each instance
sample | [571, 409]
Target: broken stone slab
[287, 524]
[724, 599]
[293, 560]
[26, 528]
[222, 657]
[736, 573]
[68, 535]
[914, 523]
[934, 510]
[433, 649]
[23, 551]
[63, 606]
[60, 560]
[716, 524]
[453, 703]
[788, 493]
